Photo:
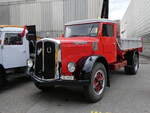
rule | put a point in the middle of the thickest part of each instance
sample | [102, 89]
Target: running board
[118, 65]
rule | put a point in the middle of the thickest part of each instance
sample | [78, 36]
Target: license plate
[67, 77]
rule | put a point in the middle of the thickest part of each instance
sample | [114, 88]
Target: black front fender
[85, 65]
[89, 63]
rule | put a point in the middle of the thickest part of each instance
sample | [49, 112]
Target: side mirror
[62, 35]
[30, 37]
[99, 34]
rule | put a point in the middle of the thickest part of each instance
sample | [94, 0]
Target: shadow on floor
[14, 82]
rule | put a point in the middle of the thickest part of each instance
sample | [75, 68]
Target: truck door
[14, 51]
[108, 38]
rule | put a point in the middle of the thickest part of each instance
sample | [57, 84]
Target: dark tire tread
[130, 70]
[2, 78]
[88, 90]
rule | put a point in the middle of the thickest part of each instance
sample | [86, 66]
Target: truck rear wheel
[95, 90]
[44, 88]
[133, 68]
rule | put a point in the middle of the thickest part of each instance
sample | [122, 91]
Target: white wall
[49, 15]
[136, 22]
[10, 0]
[137, 18]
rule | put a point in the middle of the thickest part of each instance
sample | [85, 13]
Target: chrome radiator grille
[45, 60]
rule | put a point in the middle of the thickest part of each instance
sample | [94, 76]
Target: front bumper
[44, 82]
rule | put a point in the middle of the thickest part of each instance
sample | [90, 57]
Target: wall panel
[136, 22]
[48, 15]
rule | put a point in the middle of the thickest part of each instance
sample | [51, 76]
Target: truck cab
[14, 49]
[103, 33]
[84, 56]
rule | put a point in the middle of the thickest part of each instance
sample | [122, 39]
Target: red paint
[23, 32]
[72, 52]
[107, 47]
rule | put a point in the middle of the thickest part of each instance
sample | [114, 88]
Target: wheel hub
[99, 82]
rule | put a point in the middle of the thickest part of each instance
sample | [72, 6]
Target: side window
[108, 30]
[12, 39]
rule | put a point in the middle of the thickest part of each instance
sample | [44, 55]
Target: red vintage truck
[84, 56]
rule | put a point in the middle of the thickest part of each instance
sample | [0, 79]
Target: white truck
[14, 51]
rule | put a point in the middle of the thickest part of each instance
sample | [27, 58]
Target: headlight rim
[69, 68]
[30, 65]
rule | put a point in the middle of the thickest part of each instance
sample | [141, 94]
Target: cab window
[82, 30]
[108, 30]
[12, 39]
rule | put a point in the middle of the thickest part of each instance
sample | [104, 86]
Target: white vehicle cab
[14, 50]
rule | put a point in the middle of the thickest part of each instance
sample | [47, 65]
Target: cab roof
[85, 21]
[1, 26]
[12, 28]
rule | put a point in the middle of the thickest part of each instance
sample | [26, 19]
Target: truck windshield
[83, 30]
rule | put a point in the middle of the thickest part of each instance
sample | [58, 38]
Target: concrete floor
[127, 94]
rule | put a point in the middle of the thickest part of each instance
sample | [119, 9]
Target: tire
[2, 78]
[95, 90]
[133, 68]
[44, 88]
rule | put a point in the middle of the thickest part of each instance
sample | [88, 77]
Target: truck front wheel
[95, 90]
[133, 68]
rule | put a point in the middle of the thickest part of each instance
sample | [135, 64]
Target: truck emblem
[49, 50]
[39, 51]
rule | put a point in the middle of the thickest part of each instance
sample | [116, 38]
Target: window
[12, 39]
[108, 30]
[83, 30]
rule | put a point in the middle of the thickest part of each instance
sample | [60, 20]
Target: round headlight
[71, 67]
[29, 63]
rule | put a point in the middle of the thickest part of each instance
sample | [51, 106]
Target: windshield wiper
[74, 36]
[91, 30]
[77, 35]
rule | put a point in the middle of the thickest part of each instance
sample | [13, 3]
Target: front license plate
[67, 77]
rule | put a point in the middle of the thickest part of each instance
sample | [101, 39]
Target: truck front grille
[45, 60]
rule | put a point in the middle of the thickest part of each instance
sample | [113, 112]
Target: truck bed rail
[129, 43]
